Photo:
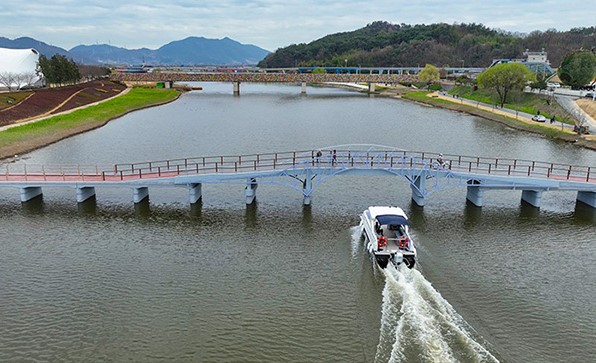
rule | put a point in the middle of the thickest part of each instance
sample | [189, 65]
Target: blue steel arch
[366, 159]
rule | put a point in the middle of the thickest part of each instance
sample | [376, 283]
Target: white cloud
[266, 23]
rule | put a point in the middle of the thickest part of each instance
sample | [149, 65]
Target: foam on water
[417, 324]
[356, 233]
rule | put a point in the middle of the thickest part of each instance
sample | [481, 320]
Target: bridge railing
[339, 158]
[517, 167]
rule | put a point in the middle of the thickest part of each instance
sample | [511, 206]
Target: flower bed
[49, 100]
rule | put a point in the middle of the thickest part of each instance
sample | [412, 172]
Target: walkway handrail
[344, 158]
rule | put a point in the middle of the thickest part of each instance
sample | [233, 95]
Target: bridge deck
[261, 77]
[244, 165]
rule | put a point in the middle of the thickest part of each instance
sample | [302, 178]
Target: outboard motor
[398, 258]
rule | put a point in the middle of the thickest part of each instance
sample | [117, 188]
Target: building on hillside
[17, 68]
[536, 62]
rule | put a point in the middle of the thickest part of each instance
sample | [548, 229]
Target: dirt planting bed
[54, 100]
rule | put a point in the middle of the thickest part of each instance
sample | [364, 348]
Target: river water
[279, 282]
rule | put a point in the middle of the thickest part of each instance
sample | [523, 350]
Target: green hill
[384, 44]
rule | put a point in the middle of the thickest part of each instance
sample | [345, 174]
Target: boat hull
[392, 250]
[382, 260]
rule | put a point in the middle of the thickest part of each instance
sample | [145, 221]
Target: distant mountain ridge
[26, 42]
[188, 51]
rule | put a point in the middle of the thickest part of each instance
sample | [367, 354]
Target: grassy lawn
[9, 99]
[524, 102]
[32, 135]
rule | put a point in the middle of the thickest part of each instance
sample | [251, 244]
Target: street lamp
[462, 63]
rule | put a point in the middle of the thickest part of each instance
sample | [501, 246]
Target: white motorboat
[387, 236]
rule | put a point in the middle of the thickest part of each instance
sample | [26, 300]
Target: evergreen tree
[578, 68]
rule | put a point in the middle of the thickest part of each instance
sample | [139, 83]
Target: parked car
[553, 85]
[539, 118]
[589, 95]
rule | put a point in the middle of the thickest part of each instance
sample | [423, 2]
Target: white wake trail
[417, 324]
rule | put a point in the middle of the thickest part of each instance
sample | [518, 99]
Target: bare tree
[8, 79]
[15, 81]
[25, 79]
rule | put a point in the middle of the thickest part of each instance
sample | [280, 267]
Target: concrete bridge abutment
[251, 191]
[418, 186]
[236, 87]
[474, 195]
[195, 193]
[140, 194]
[29, 193]
[85, 193]
[532, 197]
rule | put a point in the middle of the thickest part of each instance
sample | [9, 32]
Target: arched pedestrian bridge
[304, 171]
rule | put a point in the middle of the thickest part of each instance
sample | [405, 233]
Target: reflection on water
[472, 215]
[251, 214]
[585, 214]
[88, 207]
[33, 206]
[528, 212]
[143, 209]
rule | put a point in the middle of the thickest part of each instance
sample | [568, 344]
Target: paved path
[522, 116]
[569, 104]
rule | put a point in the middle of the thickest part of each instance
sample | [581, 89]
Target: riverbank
[28, 137]
[521, 123]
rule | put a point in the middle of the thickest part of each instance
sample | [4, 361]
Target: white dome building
[17, 68]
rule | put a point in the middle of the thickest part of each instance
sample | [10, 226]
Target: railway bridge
[236, 79]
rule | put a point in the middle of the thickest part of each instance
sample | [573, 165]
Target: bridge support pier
[251, 191]
[236, 86]
[195, 193]
[474, 195]
[532, 197]
[588, 198]
[140, 194]
[29, 193]
[418, 187]
[307, 187]
[307, 200]
[371, 87]
[303, 88]
[85, 193]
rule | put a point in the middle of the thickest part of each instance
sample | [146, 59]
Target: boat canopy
[388, 219]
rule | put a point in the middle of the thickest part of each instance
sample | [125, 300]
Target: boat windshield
[387, 219]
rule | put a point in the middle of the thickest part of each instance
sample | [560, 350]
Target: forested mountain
[383, 44]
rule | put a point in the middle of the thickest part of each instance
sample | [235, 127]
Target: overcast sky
[269, 24]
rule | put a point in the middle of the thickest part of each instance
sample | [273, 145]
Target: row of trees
[576, 70]
[58, 70]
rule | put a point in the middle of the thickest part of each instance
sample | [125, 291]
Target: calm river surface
[279, 282]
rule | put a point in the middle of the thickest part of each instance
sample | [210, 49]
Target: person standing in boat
[381, 241]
